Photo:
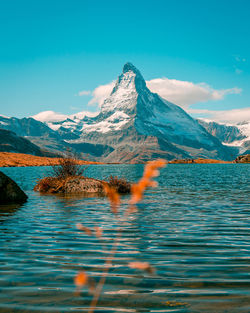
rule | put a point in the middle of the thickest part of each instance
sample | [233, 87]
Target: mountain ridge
[133, 125]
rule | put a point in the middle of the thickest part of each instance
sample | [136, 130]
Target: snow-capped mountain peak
[124, 95]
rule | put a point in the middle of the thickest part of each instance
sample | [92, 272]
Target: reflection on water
[8, 209]
[194, 229]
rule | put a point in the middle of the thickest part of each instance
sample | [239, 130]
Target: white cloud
[186, 93]
[53, 117]
[84, 93]
[81, 115]
[49, 116]
[101, 93]
[225, 116]
[182, 93]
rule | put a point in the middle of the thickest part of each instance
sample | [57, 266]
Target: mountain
[10, 142]
[139, 125]
[234, 135]
[133, 125]
[67, 126]
[27, 127]
[49, 141]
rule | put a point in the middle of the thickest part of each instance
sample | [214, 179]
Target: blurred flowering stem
[137, 192]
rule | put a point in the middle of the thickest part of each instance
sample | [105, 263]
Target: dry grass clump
[137, 192]
[48, 185]
[121, 185]
[68, 166]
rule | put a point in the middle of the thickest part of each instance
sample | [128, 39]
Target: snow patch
[114, 122]
[124, 94]
[54, 126]
[81, 115]
[3, 123]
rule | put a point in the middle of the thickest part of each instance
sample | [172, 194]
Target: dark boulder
[10, 192]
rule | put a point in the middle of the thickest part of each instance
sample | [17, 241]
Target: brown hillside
[10, 159]
[197, 161]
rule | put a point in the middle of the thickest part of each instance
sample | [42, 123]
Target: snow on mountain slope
[64, 123]
[83, 114]
[244, 128]
[234, 135]
[168, 119]
[124, 95]
[113, 122]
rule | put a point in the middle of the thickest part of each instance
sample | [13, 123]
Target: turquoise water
[194, 229]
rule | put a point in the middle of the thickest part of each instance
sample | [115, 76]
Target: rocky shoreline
[11, 159]
[243, 159]
[198, 161]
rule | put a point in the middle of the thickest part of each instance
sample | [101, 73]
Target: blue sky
[52, 50]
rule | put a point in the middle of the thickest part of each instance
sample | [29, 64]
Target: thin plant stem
[107, 263]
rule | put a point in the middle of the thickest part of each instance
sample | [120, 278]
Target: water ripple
[194, 230]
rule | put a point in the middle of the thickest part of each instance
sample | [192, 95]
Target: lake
[194, 229]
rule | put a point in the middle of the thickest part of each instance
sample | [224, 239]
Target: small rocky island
[67, 178]
[78, 184]
[70, 185]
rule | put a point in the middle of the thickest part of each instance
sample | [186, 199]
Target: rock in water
[10, 192]
[81, 185]
[70, 185]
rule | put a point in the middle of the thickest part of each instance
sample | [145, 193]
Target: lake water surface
[194, 229]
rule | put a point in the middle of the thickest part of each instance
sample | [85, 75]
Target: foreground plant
[137, 193]
[69, 166]
[121, 185]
